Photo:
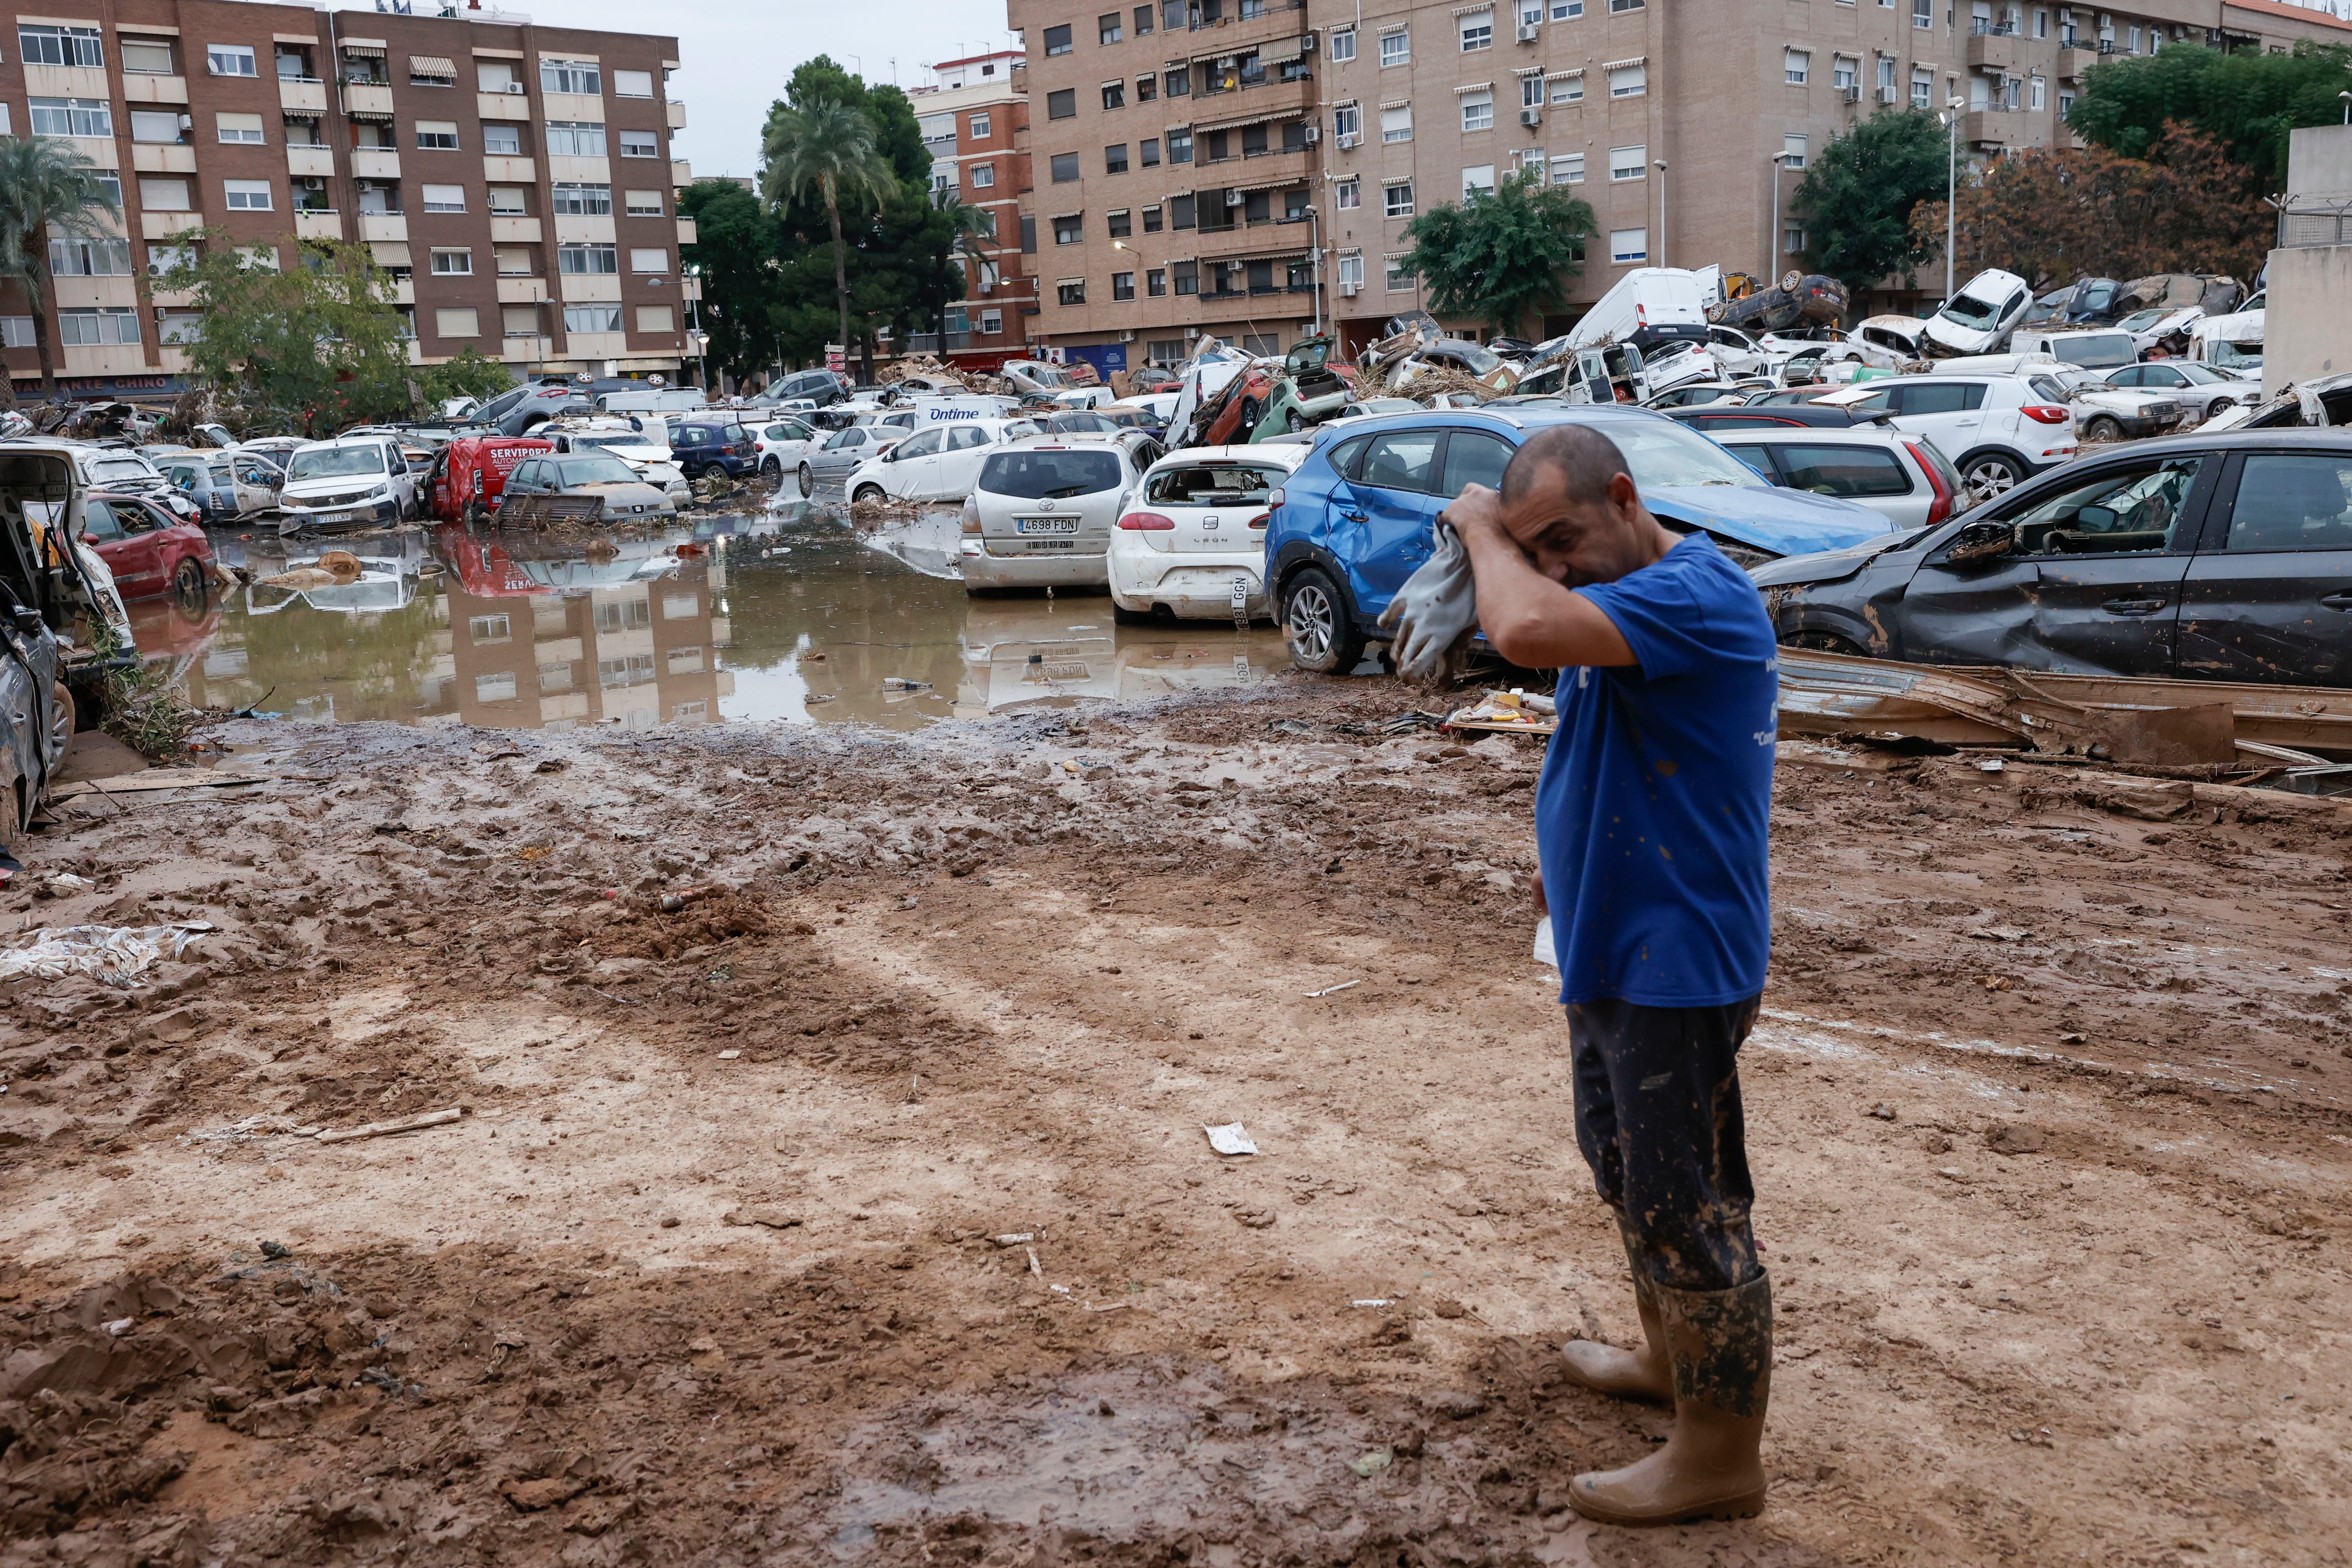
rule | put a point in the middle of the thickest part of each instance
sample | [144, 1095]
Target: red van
[469, 475]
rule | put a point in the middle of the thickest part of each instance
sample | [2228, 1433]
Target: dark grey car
[2224, 557]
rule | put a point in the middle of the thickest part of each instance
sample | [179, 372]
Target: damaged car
[2216, 558]
[1308, 393]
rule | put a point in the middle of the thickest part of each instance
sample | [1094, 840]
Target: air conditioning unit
[1853, 94]
[1885, 95]
[1349, 139]
[1233, 199]
[1352, 289]
[1531, 115]
[514, 88]
[1314, 134]
[1529, 32]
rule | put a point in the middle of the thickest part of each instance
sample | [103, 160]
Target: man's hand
[1534, 885]
[1532, 620]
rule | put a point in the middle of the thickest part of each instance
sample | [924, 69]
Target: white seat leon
[1042, 512]
[1193, 532]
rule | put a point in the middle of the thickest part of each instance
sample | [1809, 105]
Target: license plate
[1046, 524]
[1050, 543]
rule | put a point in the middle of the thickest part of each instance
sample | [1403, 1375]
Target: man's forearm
[1532, 620]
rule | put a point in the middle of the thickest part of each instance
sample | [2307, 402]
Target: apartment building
[515, 180]
[1686, 127]
[974, 117]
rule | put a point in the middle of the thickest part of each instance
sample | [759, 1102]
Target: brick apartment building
[516, 180]
[1228, 166]
[974, 117]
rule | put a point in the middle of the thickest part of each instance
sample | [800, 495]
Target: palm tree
[46, 190]
[829, 145]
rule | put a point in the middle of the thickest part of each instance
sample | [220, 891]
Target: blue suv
[706, 441]
[1359, 516]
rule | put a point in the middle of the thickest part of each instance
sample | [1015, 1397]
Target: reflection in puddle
[787, 614]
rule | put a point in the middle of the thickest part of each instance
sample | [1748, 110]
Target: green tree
[48, 191]
[827, 149]
[2249, 102]
[1502, 253]
[737, 245]
[1857, 197]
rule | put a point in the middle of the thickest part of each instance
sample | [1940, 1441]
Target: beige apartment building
[1685, 123]
[515, 180]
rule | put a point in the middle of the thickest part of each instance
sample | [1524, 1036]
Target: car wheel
[2102, 428]
[1314, 620]
[808, 482]
[1992, 473]
[188, 582]
[1294, 421]
[772, 470]
[2215, 409]
[63, 718]
[868, 495]
[1826, 642]
[1127, 617]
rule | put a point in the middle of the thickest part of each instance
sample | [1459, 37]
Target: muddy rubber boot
[1721, 1343]
[1647, 1374]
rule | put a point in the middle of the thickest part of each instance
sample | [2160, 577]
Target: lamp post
[1772, 246]
[1662, 208]
[2347, 97]
[1315, 262]
[1951, 119]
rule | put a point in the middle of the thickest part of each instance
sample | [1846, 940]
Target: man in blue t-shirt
[1650, 835]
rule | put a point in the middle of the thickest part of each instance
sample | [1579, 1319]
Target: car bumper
[342, 519]
[984, 569]
[1193, 587]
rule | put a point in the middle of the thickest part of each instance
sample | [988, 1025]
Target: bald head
[1582, 459]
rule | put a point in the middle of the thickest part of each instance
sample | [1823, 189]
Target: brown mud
[2046, 1112]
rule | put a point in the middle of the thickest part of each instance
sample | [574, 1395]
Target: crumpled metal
[1434, 613]
[113, 956]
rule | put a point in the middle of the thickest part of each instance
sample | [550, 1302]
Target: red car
[469, 475]
[151, 551]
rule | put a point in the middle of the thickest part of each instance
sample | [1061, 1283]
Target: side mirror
[27, 620]
[2096, 518]
[1981, 541]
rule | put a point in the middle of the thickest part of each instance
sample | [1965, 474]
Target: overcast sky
[738, 53]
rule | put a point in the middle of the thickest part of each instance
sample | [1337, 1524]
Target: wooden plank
[156, 779]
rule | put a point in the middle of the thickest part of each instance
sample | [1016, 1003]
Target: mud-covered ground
[2046, 1109]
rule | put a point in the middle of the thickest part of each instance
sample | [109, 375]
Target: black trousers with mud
[1657, 1115]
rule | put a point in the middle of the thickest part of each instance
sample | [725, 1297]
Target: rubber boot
[1647, 1374]
[1711, 1467]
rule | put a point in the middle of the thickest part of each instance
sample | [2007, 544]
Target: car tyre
[1319, 626]
[1127, 618]
[1992, 473]
[188, 582]
[1826, 642]
[772, 470]
[2102, 428]
[1294, 421]
[808, 482]
[868, 493]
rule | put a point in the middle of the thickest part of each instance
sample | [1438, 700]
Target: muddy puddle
[788, 614]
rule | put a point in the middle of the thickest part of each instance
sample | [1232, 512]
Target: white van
[652, 400]
[2232, 342]
[1979, 318]
[1649, 307]
[357, 481]
[2107, 348]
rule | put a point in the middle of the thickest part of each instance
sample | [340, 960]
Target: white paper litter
[112, 954]
[1547, 945]
[1230, 1139]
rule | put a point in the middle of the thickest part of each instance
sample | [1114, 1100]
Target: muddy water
[789, 614]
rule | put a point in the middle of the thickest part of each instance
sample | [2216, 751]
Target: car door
[2269, 594]
[129, 557]
[911, 470]
[2092, 581]
[1867, 475]
[1382, 534]
[1950, 414]
[844, 451]
[965, 448]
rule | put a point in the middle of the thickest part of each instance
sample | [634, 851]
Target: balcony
[2074, 59]
[681, 173]
[592, 288]
[509, 171]
[687, 231]
[676, 115]
[514, 230]
[163, 158]
[1994, 51]
[404, 291]
[302, 92]
[374, 163]
[1987, 128]
[515, 105]
[319, 161]
[142, 89]
[522, 291]
[164, 226]
[319, 223]
[367, 97]
[384, 226]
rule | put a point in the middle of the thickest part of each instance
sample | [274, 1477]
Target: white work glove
[1434, 613]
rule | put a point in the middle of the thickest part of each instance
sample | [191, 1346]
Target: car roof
[2334, 437]
[1288, 457]
[1531, 416]
[1849, 435]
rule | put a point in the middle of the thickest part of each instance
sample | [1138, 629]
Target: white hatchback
[1997, 430]
[781, 446]
[1901, 476]
[1042, 512]
[938, 464]
[1191, 540]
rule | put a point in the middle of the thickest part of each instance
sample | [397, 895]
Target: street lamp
[2347, 97]
[1662, 209]
[1315, 262]
[1772, 246]
[1951, 119]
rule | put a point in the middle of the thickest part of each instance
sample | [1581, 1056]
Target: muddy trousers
[1658, 1118]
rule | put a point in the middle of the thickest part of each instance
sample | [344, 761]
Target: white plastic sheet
[113, 956]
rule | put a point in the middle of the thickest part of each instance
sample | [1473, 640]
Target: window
[231, 60]
[437, 136]
[1923, 13]
[1057, 40]
[1069, 228]
[247, 195]
[980, 127]
[584, 76]
[1071, 291]
[639, 144]
[1628, 81]
[1568, 169]
[1341, 47]
[581, 139]
[2137, 509]
[1395, 277]
[1107, 29]
[1122, 286]
[56, 45]
[518, 320]
[591, 319]
[151, 127]
[1062, 104]
[2042, 24]
[1792, 152]
[1149, 152]
[180, 327]
[2284, 502]
[1629, 162]
[163, 259]
[1477, 180]
[1115, 159]
[1628, 245]
[1567, 10]
[515, 261]
[1478, 111]
[165, 194]
[1122, 225]
[1886, 78]
[1923, 89]
[2039, 90]
[583, 261]
[2065, 105]
[1064, 167]
[573, 200]
[506, 141]
[1478, 31]
[444, 198]
[649, 261]
[1396, 201]
[1114, 94]
[1569, 88]
[1846, 74]
[112, 327]
[1396, 48]
[1792, 240]
[644, 203]
[1188, 276]
[1179, 211]
[90, 257]
[147, 56]
[453, 264]
[1796, 66]
[233, 128]
[72, 116]
[1396, 124]
[1615, 6]
[632, 84]
[1348, 193]
[1143, 21]
[496, 76]
[507, 201]
[992, 321]
[1531, 92]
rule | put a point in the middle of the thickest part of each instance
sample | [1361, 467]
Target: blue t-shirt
[1652, 811]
